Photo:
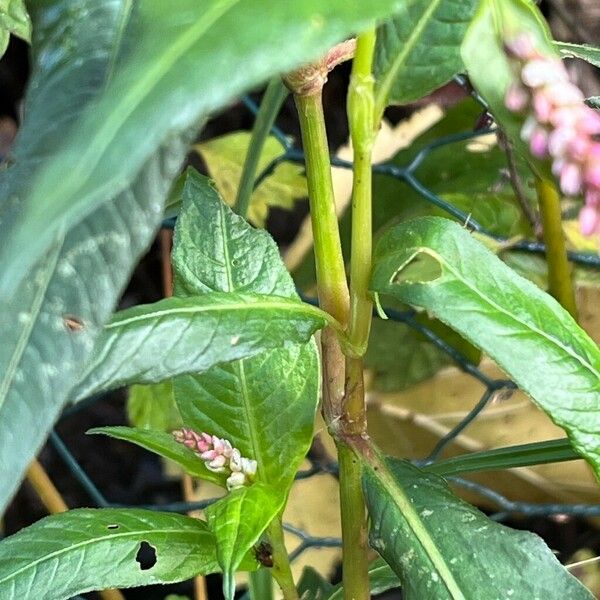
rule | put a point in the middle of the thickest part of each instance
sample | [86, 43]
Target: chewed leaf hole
[112, 526]
[146, 556]
[420, 268]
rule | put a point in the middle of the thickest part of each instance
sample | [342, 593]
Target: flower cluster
[219, 456]
[559, 126]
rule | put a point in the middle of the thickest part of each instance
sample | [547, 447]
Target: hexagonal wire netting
[408, 174]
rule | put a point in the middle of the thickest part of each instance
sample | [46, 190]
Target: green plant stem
[560, 281]
[281, 570]
[361, 107]
[331, 277]
[270, 105]
[261, 585]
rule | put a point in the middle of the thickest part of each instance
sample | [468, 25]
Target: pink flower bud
[538, 143]
[589, 220]
[592, 198]
[249, 467]
[542, 71]
[235, 461]
[209, 455]
[570, 179]
[517, 98]
[217, 465]
[235, 480]
[591, 174]
[564, 93]
[521, 46]
[560, 139]
[542, 105]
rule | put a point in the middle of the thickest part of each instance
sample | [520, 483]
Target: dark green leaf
[13, 19]
[419, 49]
[163, 444]
[251, 401]
[585, 52]
[525, 455]
[152, 342]
[153, 407]
[86, 549]
[594, 101]
[435, 264]
[49, 325]
[238, 521]
[443, 548]
[185, 63]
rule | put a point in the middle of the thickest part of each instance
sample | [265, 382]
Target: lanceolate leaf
[238, 521]
[435, 264]
[585, 52]
[419, 49]
[250, 401]
[83, 550]
[153, 407]
[187, 61]
[443, 548]
[164, 444]
[152, 342]
[49, 325]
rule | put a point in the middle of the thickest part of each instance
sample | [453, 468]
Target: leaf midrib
[397, 496]
[298, 308]
[383, 92]
[112, 536]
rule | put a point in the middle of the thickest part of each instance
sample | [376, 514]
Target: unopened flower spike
[219, 456]
[558, 124]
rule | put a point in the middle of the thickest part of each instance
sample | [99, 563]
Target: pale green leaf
[95, 549]
[224, 156]
[238, 521]
[441, 547]
[13, 19]
[435, 264]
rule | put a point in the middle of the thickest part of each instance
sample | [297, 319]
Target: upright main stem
[560, 283]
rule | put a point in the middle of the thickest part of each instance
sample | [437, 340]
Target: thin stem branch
[281, 570]
[560, 281]
[54, 504]
[271, 103]
[331, 276]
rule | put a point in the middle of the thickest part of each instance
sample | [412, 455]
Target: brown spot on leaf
[73, 323]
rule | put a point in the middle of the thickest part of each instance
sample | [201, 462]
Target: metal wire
[407, 174]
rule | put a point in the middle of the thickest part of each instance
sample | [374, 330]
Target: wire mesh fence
[407, 174]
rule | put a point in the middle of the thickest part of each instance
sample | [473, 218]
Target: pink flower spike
[589, 220]
[517, 98]
[570, 179]
[538, 143]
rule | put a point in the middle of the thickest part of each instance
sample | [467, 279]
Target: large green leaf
[86, 549]
[238, 521]
[49, 325]
[164, 445]
[435, 264]
[264, 405]
[419, 49]
[443, 548]
[152, 342]
[118, 90]
[13, 19]
[188, 60]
